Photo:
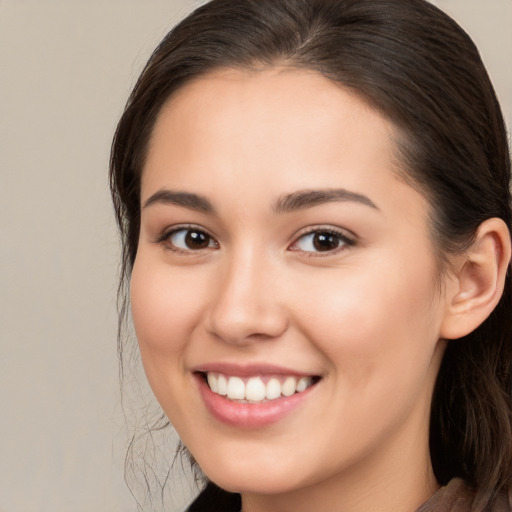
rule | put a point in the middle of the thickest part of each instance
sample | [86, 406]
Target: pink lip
[248, 370]
[245, 415]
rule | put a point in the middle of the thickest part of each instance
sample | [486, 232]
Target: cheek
[375, 324]
[165, 308]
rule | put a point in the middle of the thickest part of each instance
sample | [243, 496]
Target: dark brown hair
[422, 71]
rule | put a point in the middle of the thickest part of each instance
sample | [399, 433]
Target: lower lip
[249, 416]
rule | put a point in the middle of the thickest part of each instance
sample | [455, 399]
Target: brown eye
[321, 242]
[196, 240]
[326, 241]
[191, 240]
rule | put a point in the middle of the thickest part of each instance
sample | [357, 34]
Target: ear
[477, 283]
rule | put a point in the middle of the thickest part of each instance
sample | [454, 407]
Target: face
[283, 262]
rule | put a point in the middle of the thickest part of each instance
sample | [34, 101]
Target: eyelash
[166, 237]
[344, 241]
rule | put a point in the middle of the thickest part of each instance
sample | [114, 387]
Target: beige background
[66, 68]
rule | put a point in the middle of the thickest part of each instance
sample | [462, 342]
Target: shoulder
[457, 496]
[214, 499]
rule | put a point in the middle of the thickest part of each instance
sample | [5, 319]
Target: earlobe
[478, 281]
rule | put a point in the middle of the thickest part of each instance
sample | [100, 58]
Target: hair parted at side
[422, 71]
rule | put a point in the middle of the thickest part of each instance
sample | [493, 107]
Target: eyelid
[347, 238]
[171, 230]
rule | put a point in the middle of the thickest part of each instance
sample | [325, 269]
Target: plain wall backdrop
[66, 69]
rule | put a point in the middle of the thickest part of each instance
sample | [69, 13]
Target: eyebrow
[288, 203]
[184, 199]
[303, 199]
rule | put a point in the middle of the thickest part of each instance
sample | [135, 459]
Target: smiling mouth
[257, 389]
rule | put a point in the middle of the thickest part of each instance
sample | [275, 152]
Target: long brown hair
[420, 69]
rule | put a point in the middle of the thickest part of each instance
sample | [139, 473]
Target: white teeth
[212, 382]
[303, 384]
[273, 389]
[289, 386]
[254, 389]
[236, 388]
[222, 385]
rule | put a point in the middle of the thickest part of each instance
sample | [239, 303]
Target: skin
[367, 317]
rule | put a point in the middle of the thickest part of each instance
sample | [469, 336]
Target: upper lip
[247, 370]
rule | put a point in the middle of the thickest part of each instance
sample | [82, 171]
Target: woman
[314, 202]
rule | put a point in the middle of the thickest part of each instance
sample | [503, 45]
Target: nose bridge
[245, 304]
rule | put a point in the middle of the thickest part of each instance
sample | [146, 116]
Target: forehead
[246, 138]
[275, 96]
[275, 118]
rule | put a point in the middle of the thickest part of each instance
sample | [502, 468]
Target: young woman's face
[282, 259]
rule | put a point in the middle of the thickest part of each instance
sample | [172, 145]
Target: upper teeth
[254, 389]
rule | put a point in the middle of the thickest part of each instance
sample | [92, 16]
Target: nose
[245, 305]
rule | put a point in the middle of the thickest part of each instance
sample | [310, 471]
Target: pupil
[197, 240]
[325, 242]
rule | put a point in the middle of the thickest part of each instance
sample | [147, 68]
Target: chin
[251, 478]
[254, 483]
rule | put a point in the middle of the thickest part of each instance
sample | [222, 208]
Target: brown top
[457, 496]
